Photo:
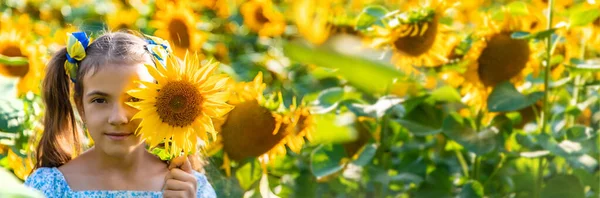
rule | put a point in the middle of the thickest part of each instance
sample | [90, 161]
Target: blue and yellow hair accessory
[77, 43]
[159, 48]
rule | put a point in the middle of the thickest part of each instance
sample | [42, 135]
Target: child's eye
[133, 99]
[98, 100]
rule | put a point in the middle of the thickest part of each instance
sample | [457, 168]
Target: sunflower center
[260, 16]
[13, 70]
[179, 33]
[248, 131]
[421, 42]
[502, 59]
[178, 103]
[122, 26]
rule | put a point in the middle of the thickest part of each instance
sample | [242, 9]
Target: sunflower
[312, 19]
[221, 7]
[263, 18]
[123, 18]
[257, 127]
[559, 5]
[21, 166]
[419, 39]
[177, 23]
[496, 57]
[179, 108]
[15, 45]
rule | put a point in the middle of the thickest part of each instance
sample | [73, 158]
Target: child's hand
[180, 181]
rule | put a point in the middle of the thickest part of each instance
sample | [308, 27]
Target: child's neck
[122, 164]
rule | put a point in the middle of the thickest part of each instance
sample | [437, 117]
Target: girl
[118, 165]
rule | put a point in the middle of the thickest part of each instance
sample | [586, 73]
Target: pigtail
[60, 140]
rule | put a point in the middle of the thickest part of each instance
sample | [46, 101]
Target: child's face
[106, 115]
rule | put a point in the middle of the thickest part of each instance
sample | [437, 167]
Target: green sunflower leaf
[367, 75]
[472, 189]
[370, 16]
[327, 160]
[13, 61]
[584, 17]
[563, 186]
[505, 98]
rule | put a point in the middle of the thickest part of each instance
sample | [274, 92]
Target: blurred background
[362, 98]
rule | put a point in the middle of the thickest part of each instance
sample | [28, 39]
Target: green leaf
[248, 174]
[544, 34]
[566, 148]
[471, 189]
[367, 154]
[588, 179]
[520, 35]
[161, 153]
[561, 186]
[580, 133]
[505, 97]
[418, 129]
[481, 142]
[583, 161]
[518, 8]
[584, 17]
[331, 95]
[327, 160]
[445, 94]
[584, 66]
[371, 15]
[328, 99]
[12, 116]
[355, 70]
[13, 61]
[306, 184]
[332, 128]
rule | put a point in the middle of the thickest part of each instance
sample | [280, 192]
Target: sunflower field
[353, 98]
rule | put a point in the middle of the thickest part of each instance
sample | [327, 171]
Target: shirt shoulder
[49, 181]
[205, 190]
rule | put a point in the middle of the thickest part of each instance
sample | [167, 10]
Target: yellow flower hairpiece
[77, 43]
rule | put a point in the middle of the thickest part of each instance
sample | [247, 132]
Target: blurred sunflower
[254, 129]
[21, 166]
[312, 19]
[559, 5]
[179, 108]
[496, 57]
[3, 149]
[263, 18]
[123, 18]
[19, 48]
[420, 40]
[221, 7]
[177, 23]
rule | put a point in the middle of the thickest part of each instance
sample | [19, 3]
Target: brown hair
[61, 139]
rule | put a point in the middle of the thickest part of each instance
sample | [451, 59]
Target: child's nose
[118, 115]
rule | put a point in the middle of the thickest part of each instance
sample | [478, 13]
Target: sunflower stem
[539, 178]
[498, 167]
[383, 154]
[577, 83]
[547, 69]
[463, 162]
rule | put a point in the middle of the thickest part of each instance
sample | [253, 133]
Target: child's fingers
[181, 175]
[173, 184]
[181, 162]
